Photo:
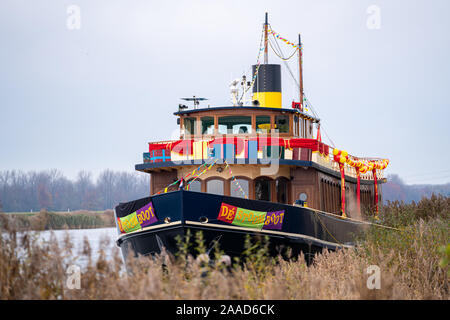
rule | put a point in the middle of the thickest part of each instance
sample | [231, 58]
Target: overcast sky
[92, 98]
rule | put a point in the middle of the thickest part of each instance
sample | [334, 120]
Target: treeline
[395, 189]
[51, 190]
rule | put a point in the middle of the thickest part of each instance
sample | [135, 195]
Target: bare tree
[44, 197]
[106, 184]
[50, 189]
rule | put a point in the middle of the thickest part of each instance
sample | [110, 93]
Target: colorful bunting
[342, 156]
[233, 178]
[188, 175]
[313, 144]
[199, 174]
[283, 39]
[258, 64]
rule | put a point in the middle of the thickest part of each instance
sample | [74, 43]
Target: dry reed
[410, 261]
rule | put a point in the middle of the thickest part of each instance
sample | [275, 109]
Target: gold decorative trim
[267, 232]
[158, 226]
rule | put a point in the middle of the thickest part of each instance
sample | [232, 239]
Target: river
[77, 236]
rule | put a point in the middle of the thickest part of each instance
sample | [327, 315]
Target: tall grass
[45, 220]
[411, 261]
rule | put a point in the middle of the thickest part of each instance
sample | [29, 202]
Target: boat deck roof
[250, 108]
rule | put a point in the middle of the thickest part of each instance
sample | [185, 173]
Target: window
[235, 190]
[262, 124]
[295, 126]
[301, 126]
[304, 128]
[262, 189]
[214, 186]
[235, 125]
[195, 186]
[207, 125]
[282, 123]
[281, 185]
[273, 152]
[190, 125]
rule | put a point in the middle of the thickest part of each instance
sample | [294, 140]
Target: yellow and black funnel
[267, 86]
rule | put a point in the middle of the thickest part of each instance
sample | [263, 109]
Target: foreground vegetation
[412, 256]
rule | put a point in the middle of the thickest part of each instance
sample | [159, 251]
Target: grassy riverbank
[412, 256]
[45, 220]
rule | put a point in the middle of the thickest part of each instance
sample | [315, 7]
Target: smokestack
[267, 86]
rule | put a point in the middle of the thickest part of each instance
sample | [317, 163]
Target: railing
[233, 148]
[327, 161]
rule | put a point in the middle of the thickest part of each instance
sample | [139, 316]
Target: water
[77, 236]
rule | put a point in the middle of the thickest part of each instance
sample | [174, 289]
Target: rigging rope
[317, 116]
[314, 111]
[279, 56]
[199, 174]
[326, 229]
[233, 178]
[258, 63]
[184, 178]
[284, 61]
[276, 35]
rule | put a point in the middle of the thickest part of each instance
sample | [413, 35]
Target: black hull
[231, 242]
[303, 230]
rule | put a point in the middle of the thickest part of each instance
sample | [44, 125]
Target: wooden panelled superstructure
[299, 172]
[300, 124]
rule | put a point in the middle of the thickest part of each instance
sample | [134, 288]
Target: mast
[266, 26]
[300, 71]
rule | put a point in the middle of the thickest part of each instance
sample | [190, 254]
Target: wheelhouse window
[302, 128]
[262, 124]
[235, 125]
[207, 125]
[282, 123]
[190, 125]
[215, 186]
[263, 189]
[296, 126]
[235, 191]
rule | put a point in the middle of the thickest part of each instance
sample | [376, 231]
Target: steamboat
[251, 168]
